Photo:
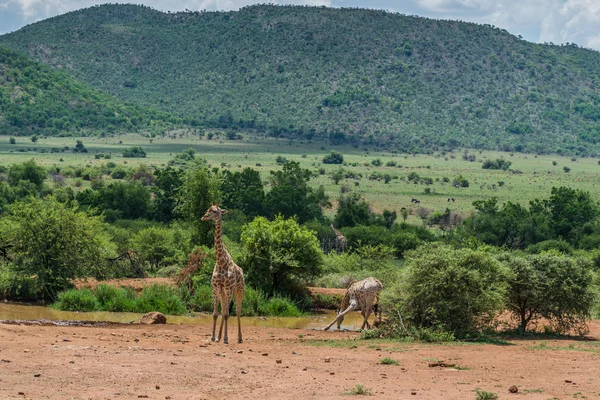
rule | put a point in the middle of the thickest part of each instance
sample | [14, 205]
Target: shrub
[17, 287]
[278, 306]
[460, 181]
[333, 158]
[134, 152]
[552, 244]
[77, 300]
[457, 291]
[553, 286]
[202, 299]
[162, 298]
[115, 299]
[404, 241]
[499, 163]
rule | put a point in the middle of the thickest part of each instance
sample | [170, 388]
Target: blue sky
[557, 21]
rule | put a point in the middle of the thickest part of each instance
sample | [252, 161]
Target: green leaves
[279, 253]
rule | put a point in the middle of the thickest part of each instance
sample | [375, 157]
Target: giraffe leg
[340, 317]
[366, 314]
[239, 297]
[226, 301]
[215, 314]
[224, 309]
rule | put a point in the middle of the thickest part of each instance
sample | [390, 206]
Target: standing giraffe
[360, 294]
[227, 278]
[341, 243]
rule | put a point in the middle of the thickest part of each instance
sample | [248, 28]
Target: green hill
[365, 76]
[35, 98]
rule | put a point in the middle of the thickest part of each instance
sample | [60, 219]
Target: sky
[556, 21]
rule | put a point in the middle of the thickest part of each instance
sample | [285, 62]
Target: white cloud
[557, 21]
[575, 21]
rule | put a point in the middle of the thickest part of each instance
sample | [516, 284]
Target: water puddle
[24, 313]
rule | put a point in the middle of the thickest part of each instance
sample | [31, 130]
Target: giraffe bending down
[227, 279]
[359, 295]
[341, 243]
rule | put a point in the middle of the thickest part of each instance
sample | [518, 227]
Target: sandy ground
[180, 362]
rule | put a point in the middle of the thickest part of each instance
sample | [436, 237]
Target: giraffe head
[213, 213]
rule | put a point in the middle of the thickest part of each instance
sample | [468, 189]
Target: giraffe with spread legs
[359, 295]
[227, 279]
[341, 243]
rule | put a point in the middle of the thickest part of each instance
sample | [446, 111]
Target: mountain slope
[407, 82]
[36, 98]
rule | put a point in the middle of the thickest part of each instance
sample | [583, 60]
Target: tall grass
[168, 300]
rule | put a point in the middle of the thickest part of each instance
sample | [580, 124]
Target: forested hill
[35, 98]
[411, 82]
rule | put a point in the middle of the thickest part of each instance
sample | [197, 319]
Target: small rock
[240, 351]
[327, 359]
[21, 393]
[278, 361]
[305, 369]
[153, 318]
[332, 373]
[414, 393]
[378, 349]
[244, 372]
[265, 354]
[513, 389]
[218, 354]
[71, 362]
[157, 387]
[568, 381]
[167, 397]
[37, 375]
[143, 396]
[5, 361]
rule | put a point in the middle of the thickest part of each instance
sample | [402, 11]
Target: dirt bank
[179, 362]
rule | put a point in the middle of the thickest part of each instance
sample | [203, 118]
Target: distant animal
[341, 243]
[453, 199]
[415, 201]
[359, 295]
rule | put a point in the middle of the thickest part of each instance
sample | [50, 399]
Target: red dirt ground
[179, 362]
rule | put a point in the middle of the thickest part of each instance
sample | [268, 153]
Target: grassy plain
[536, 178]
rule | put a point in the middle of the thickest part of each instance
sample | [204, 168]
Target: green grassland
[538, 174]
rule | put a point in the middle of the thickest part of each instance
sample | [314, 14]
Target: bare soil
[180, 362]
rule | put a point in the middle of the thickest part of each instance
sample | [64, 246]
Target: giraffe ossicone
[359, 295]
[227, 279]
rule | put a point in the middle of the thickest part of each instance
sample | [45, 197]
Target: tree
[553, 286]
[456, 290]
[34, 138]
[154, 245]
[244, 191]
[334, 157]
[134, 152]
[80, 148]
[352, 210]
[290, 194]
[570, 209]
[200, 189]
[27, 171]
[279, 254]
[168, 183]
[54, 242]
[12, 140]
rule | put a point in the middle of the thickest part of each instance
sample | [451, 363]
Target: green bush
[77, 300]
[17, 287]
[162, 298]
[459, 291]
[552, 244]
[404, 241]
[282, 307]
[115, 299]
[553, 286]
[202, 299]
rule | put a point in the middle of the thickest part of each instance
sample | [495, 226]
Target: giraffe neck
[221, 252]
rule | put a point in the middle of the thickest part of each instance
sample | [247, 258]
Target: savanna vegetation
[362, 77]
[446, 273]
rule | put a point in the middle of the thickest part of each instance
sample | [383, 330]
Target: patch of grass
[538, 390]
[585, 347]
[77, 300]
[335, 343]
[162, 298]
[359, 390]
[483, 395]
[388, 361]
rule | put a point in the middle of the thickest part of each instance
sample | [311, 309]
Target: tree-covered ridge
[346, 74]
[35, 98]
